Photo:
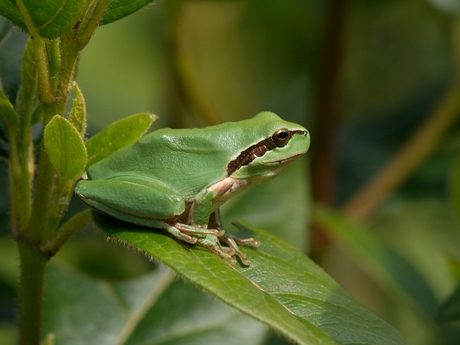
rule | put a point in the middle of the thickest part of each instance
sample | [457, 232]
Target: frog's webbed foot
[244, 241]
[213, 244]
[212, 239]
[233, 242]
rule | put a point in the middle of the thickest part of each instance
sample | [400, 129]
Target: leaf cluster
[282, 289]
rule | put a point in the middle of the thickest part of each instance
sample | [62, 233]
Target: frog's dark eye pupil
[281, 137]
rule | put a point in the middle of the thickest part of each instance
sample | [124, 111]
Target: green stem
[43, 193]
[75, 223]
[30, 292]
[89, 25]
[19, 189]
[45, 183]
[45, 91]
[22, 165]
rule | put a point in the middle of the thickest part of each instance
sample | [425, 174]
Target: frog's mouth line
[286, 160]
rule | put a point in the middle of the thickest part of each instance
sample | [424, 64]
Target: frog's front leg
[231, 241]
[213, 244]
[206, 238]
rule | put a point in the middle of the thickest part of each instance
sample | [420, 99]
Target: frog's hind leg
[173, 231]
[233, 242]
[197, 231]
[213, 244]
[191, 234]
[215, 222]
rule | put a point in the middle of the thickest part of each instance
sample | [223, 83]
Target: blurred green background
[361, 75]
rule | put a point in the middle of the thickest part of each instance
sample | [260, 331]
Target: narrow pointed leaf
[118, 135]
[11, 12]
[121, 8]
[281, 288]
[65, 148]
[152, 309]
[77, 115]
[7, 112]
[54, 18]
[450, 309]
[26, 94]
[381, 261]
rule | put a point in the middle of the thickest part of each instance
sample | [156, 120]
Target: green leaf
[65, 148]
[77, 115]
[11, 12]
[152, 309]
[121, 8]
[281, 288]
[450, 309]
[118, 135]
[37, 114]
[52, 18]
[7, 111]
[27, 90]
[381, 261]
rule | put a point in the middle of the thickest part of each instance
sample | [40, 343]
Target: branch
[416, 150]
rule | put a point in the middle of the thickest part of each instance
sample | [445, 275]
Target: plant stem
[19, 188]
[45, 182]
[35, 223]
[65, 231]
[422, 144]
[30, 291]
[328, 118]
[91, 21]
[45, 92]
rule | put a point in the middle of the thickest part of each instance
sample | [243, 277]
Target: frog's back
[184, 159]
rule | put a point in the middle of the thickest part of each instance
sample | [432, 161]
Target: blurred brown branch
[328, 116]
[425, 140]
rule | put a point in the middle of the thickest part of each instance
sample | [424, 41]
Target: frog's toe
[199, 232]
[246, 241]
[231, 242]
[180, 235]
[212, 244]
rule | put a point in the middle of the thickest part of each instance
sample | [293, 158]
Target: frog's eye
[281, 137]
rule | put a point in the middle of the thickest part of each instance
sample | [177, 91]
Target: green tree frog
[176, 179]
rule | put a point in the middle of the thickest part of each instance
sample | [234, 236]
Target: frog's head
[272, 144]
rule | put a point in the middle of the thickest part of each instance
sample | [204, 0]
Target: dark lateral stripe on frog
[255, 151]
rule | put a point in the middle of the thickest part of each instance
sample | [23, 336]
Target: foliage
[379, 85]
